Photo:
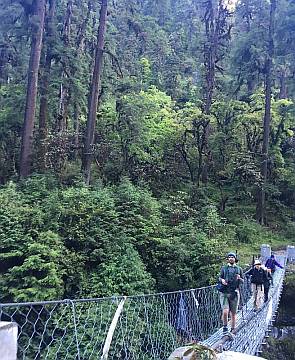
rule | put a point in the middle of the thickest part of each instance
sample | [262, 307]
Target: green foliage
[283, 348]
[286, 310]
[80, 241]
[31, 267]
[150, 124]
[122, 273]
[57, 241]
[280, 349]
[40, 276]
[247, 231]
[150, 220]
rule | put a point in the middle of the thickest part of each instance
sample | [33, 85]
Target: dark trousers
[266, 290]
[272, 273]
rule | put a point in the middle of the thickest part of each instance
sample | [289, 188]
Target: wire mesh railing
[148, 327]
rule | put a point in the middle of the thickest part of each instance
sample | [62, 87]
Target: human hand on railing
[239, 278]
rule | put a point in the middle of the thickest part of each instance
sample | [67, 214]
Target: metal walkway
[252, 326]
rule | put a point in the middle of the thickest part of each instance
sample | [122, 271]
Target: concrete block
[8, 340]
[291, 253]
[265, 251]
[232, 355]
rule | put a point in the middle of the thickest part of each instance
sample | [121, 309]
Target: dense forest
[140, 140]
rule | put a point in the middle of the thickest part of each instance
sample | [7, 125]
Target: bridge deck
[251, 326]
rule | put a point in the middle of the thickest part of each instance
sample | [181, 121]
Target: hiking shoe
[225, 330]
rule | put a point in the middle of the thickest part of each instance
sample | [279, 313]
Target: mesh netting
[148, 327]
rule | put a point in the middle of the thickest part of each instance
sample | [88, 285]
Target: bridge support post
[111, 331]
[265, 251]
[291, 253]
[8, 340]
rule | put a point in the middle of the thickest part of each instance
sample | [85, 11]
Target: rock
[193, 352]
[201, 352]
[232, 355]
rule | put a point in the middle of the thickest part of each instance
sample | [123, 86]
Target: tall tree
[43, 112]
[249, 46]
[217, 31]
[31, 97]
[260, 210]
[64, 91]
[94, 94]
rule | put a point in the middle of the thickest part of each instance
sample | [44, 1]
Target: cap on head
[232, 254]
[257, 262]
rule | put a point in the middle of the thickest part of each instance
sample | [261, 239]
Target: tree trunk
[64, 90]
[61, 119]
[43, 112]
[66, 31]
[210, 53]
[4, 60]
[283, 86]
[27, 136]
[94, 94]
[248, 16]
[76, 129]
[80, 47]
[260, 209]
[80, 41]
[250, 84]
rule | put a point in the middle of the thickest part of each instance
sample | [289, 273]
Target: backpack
[220, 287]
[258, 276]
[271, 264]
[227, 288]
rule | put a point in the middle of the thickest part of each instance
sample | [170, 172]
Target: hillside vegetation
[140, 141]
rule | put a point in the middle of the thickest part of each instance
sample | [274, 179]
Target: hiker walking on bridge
[231, 276]
[271, 264]
[258, 279]
[267, 282]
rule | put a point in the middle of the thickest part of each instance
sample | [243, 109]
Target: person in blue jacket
[271, 264]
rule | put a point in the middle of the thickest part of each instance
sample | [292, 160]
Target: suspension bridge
[142, 327]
